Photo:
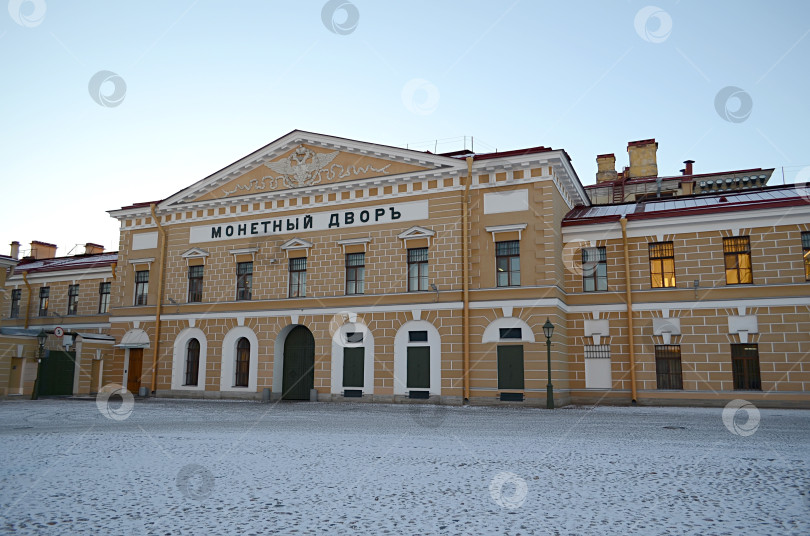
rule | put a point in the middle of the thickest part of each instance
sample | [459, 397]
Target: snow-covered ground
[214, 467]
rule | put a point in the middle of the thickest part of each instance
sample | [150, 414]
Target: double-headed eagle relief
[304, 167]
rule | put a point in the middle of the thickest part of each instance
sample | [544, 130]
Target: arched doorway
[299, 364]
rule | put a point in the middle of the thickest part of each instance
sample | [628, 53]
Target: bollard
[143, 392]
[313, 395]
[266, 395]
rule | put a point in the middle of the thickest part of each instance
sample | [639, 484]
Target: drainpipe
[28, 305]
[162, 262]
[113, 266]
[465, 275]
[629, 300]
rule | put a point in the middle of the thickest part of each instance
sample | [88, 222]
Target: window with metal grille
[44, 298]
[507, 263]
[417, 269]
[745, 367]
[597, 351]
[73, 300]
[806, 254]
[510, 333]
[355, 273]
[417, 336]
[16, 296]
[195, 283]
[192, 362]
[244, 280]
[668, 372]
[662, 264]
[242, 362]
[737, 253]
[141, 287]
[298, 277]
[103, 298]
[594, 269]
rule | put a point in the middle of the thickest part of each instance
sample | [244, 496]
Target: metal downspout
[629, 300]
[28, 305]
[162, 262]
[465, 274]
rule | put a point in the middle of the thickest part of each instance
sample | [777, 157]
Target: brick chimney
[606, 168]
[93, 249]
[15, 250]
[643, 159]
[42, 250]
[687, 170]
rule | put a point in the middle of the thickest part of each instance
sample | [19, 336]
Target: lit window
[244, 280]
[507, 263]
[44, 296]
[806, 254]
[73, 300]
[662, 264]
[298, 277]
[417, 269]
[355, 273]
[737, 252]
[594, 269]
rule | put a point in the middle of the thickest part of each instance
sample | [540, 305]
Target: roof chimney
[606, 168]
[93, 249]
[15, 250]
[643, 160]
[688, 169]
[42, 250]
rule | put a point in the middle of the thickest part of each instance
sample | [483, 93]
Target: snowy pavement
[218, 467]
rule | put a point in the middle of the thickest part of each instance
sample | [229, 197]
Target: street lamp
[41, 338]
[548, 331]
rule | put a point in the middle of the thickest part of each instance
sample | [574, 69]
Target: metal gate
[299, 364]
[56, 373]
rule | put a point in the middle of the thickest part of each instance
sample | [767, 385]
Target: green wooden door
[418, 367]
[56, 374]
[510, 367]
[299, 364]
[353, 367]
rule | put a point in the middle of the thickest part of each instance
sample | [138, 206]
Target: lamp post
[41, 338]
[548, 331]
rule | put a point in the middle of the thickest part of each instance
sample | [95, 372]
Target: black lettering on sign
[349, 218]
[216, 232]
[229, 230]
[364, 216]
[334, 220]
[307, 222]
[379, 213]
[395, 215]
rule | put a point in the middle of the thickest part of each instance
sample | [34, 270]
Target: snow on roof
[77, 262]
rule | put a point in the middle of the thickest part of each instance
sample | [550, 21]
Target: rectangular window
[44, 295]
[417, 336]
[510, 367]
[668, 371]
[511, 333]
[737, 252]
[745, 367]
[141, 287]
[507, 263]
[244, 280]
[103, 298]
[417, 269]
[806, 254]
[73, 300]
[298, 277]
[355, 273]
[594, 269]
[662, 264]
[16, 296]
[195, 283]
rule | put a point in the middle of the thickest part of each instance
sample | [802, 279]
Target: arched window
[242, 362]
[192, 362]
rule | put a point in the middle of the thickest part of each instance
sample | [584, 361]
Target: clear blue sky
[209, 81]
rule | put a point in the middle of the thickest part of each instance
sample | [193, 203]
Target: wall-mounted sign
[356, 218]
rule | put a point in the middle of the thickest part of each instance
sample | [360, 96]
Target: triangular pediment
[296, 243]
[194, 253]
[416, 232]
[304, 160]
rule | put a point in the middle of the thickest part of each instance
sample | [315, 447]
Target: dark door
[56, 376]
[134, 370]
[353, 367]
[299, 364]
[418, 376]
[510, 367]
